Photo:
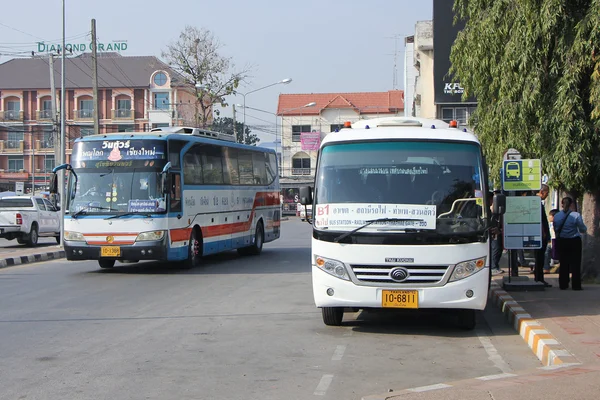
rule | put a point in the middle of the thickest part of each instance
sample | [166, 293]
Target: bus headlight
[467, 268]
[152, 235]
[332, 267]
[74, 236]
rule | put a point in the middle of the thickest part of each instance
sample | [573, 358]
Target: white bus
[401, 219]
[173, 194]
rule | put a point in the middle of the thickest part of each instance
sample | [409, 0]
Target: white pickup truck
[26, 218]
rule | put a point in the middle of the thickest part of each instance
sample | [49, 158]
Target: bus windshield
[118, 175]
[116, 190]
[412, 186]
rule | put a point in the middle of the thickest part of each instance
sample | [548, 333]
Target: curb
[545, 346]
[31, 258]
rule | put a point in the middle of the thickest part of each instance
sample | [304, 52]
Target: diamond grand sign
[81, 47]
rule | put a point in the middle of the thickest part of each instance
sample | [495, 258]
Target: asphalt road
[235, 328]
[10, 246]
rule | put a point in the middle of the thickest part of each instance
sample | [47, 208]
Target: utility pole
[234, 130]
[55, 130]
[63, 158]
[95, 80]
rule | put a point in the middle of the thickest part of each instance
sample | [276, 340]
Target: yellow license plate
[400, 299]
[110, 251]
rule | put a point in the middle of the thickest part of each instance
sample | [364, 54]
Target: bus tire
[194, 250]
[467, 319]
[259, 239]
[332, 316]
[106, 263]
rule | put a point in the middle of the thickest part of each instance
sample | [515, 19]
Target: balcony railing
[44, 114]
[12, 145]
[301, 171]
[84, 114]
[11, 115]
[122, 114]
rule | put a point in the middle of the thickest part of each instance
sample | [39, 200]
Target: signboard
[119, 153]
[447, 90]
[19, 188]
[522, 175]
[310, 141]
[119, 45]
[351, 215]
[523, 223]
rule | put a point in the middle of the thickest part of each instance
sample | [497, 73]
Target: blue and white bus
[172, 194]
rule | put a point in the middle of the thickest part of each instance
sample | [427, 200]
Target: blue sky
[323, 45]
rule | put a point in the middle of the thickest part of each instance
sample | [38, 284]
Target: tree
[534, 67]
[225, 125]
[195, 56]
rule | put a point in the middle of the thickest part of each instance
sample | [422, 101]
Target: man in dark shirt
[540, 253]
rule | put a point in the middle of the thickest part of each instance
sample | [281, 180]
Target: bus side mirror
[499, 205]
[163, 184]
[53, 184]
[306, 195]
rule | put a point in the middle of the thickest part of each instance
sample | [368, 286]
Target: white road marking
[323, 385]
[493, 354]
[339, 352]
[430, 387]
[498, 376]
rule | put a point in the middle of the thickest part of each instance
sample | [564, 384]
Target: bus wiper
[345, 235]
[147, 215]
[84, 210]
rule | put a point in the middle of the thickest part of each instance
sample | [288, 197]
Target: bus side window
[175, 192]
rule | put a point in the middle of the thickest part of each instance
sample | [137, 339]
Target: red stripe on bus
[178, 235]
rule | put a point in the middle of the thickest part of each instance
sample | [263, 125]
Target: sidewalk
[562, 327]
[25, 255]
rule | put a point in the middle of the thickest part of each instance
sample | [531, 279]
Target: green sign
[81, 47]
[522, 175]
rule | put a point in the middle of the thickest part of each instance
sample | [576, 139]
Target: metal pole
[234, 130]
[32, 163]
[95, 113]
[244, 123]
[61, 176]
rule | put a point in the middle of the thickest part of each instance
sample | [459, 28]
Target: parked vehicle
[26, 218]
[304, 212]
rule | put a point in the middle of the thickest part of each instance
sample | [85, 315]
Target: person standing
[568, 227]
[540, 254]
[497, 245]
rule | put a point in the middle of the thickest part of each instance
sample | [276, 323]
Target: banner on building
[310, 141]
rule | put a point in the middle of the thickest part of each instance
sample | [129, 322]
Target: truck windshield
[430, 187]
[116, 190]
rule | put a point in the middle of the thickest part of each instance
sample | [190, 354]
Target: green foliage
[225, 125]
[534, 67]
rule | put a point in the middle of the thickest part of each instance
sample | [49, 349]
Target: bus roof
[167, 136]
[400, 128]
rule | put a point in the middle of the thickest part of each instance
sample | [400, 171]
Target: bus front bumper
[452, 295]
[147, 250]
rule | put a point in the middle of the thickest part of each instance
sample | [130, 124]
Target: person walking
[540, 254]
[568, 226]
[549, 259]
[497, 245]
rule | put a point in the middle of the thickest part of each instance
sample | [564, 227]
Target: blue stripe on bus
[219, 246]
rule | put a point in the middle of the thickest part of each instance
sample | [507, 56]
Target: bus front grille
[417, 274]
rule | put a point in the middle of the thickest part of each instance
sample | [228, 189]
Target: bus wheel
[194, 251]
[466, 319]
[259, 239]
[106, 263]
[332, 316]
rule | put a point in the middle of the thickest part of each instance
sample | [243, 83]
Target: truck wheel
[106, 263]
[32, 238]
[467, 319]
[21, 240]
[194, 250]
[332, 316]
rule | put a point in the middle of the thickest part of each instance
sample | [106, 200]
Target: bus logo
[399, 274]
[399, 260]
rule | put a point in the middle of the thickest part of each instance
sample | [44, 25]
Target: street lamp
[283, 82]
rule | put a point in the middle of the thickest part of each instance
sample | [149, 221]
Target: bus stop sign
[519, 175]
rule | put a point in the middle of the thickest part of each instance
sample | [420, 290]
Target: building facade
[134, 94]
[304, 125]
